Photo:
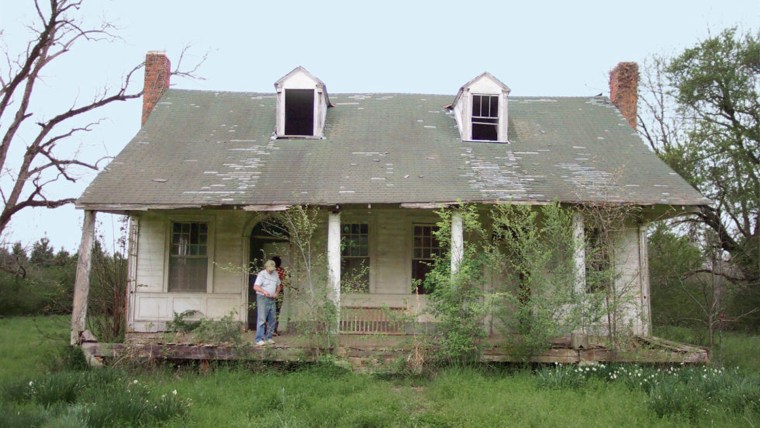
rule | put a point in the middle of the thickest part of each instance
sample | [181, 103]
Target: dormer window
[299, 112]
[480, 109]
[485, 117]
[302, 104]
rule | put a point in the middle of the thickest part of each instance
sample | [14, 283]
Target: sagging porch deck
[376, 350]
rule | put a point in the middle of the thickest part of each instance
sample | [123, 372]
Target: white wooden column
[333, 260]
[578, 337]
[579, 254]
[82, 282]
[457, 242]
[646, 304]
[132, 245]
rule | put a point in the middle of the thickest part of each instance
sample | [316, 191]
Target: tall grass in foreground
[41, 391]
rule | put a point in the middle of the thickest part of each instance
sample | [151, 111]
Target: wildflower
[31, 383]
[174, 392]
[134, 381]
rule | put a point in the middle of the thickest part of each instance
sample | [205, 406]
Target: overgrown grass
[324, 395]
[31, 344]
[731, 349]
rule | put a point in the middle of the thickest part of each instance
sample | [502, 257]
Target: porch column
[82, 282]
[457, 242]
[578, 337]
[132, 244]
[333, 260]
[579, 254]
[646, 303]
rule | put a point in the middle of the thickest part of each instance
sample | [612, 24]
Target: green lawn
[326, 395]
[29, 344]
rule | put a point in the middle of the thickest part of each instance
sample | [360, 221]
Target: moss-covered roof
[205, 148]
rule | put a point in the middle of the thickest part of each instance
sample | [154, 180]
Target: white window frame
[433, 227]
[210, 237]
[473, 118]
[368, 255]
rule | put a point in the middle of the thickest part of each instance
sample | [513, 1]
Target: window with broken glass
[485, 117]
[188, 259]
[424, 251]
[354, 266]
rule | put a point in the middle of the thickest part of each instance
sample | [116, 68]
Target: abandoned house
[208, 168]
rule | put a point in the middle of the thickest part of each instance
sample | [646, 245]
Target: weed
[181, 323]
[225, 330]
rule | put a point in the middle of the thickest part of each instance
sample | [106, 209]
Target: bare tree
[48, 157]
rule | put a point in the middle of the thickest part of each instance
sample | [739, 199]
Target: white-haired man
[267, 287]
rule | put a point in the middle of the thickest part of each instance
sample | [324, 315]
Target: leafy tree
[38, 149]
[456, 300]
[42, 254]
[671, 259]
[701, 115]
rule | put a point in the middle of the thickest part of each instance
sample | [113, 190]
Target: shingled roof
[216, 149]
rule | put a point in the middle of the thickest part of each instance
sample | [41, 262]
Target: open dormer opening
[485, 117]
[299, 112]
[480, 109]
[302, 104]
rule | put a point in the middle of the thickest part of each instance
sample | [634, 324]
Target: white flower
[31, 382]
[135, 381]
[174, 392]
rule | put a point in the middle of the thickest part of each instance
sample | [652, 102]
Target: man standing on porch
[267, 287]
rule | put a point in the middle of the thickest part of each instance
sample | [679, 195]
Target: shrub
[181, 323]
[225, 330]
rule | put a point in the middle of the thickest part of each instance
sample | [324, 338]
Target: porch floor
[363, 350]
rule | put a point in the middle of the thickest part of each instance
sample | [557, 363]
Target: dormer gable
[481, 109]
[301, 105]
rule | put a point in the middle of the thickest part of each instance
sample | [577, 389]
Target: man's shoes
[260, 343]
[270, 342]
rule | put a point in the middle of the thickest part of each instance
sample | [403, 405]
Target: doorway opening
[269, 238]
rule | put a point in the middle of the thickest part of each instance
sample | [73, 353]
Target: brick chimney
[157, 72]
[624, 86]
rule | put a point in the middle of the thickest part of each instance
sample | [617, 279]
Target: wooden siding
[390, 277]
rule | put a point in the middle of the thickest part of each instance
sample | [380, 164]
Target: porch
[367, 351]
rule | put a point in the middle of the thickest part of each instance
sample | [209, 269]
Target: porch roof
[216, 149]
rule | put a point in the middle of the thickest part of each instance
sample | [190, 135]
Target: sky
[537, 48]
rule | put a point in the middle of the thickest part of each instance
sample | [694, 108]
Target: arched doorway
[268, 238]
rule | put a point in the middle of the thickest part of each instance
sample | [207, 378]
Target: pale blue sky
[557, 48]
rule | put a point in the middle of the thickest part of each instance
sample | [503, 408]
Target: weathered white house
[208, 167]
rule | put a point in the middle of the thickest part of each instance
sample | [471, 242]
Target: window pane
[483, 132]
[494, 107]
[420, 269]
[355, 260]
[476, 105]
[188, 263]
[354, 274]
[425, 247]
[187, 274]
